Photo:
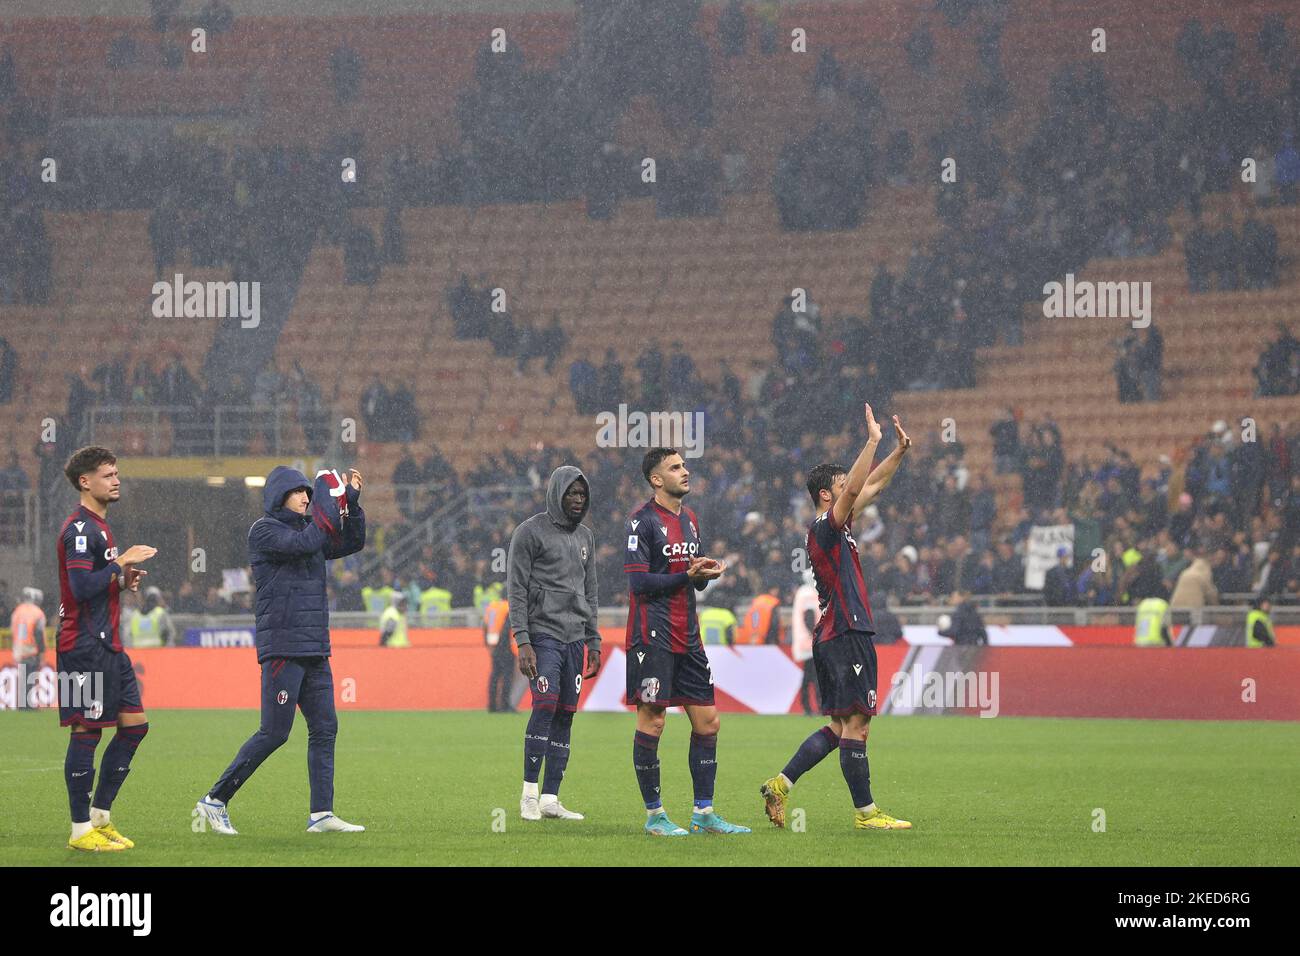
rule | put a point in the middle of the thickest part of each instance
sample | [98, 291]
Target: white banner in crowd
[1040, 551]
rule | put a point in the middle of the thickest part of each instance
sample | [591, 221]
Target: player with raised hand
[303, 527]
[91, 576]
[666, 663]
[843, 653]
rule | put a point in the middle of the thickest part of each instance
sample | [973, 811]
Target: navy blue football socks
[79, 771]
[117, 763]
[857, 772]
[537, 738]
[704, 767]
[645, 760]
[810, 753]
[557, 751]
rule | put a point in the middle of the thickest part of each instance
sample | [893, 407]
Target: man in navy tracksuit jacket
[304, 526]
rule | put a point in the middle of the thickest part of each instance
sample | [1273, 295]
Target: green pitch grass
[431, 786]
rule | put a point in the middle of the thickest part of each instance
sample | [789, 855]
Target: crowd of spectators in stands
[938, 530]
[1094, 179]
[258, 411]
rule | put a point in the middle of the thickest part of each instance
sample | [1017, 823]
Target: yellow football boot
[775, 794]
[878, 819]
[110, 831]
[94, 842]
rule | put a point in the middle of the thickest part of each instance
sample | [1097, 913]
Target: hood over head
[561, 479]
[279, 483]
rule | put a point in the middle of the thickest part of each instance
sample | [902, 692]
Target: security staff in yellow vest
[1259, 626]
[392, 623]
[151, 626]
[378, 599]
[483, 596]
[717, 625]
[435, 604]
[1151, 629]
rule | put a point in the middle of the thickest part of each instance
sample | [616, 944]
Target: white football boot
[550, 807]
[215, 816]
[332, 824]
[528, 807]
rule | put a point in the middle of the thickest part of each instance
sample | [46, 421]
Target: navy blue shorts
[559, 672]
[846, 674]
[655, 675]
[96, 685]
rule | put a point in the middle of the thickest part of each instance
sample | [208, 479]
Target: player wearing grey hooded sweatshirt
[551, 588]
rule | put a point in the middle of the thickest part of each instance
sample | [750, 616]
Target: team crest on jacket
[542, 684]
[584, 552]
[282, 697]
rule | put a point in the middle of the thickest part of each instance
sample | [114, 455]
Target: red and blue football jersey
[660, 542]
[841, 590]
[86, 545]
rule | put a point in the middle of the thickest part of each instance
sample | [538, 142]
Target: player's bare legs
[650, 719]
[852, 727]
[704, 719]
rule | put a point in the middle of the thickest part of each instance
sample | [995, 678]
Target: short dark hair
[87, 460]
[822, 478]
[652, 459]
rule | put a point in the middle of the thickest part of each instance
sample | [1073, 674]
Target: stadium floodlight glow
[254, 481]
[216, 481]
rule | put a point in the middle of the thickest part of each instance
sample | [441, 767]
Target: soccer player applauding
[843, 653]
[97, 686]
[666, 665]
